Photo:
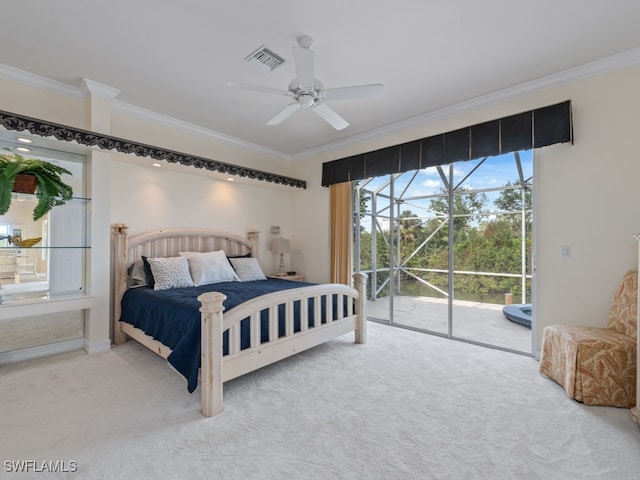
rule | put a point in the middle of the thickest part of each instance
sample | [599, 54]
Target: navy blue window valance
[523, 131]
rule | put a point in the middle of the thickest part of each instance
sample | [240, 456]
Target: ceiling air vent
[265, 59]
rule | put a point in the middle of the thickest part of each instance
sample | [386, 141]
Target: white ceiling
[175, 57]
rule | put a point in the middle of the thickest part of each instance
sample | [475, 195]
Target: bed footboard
[348, 315]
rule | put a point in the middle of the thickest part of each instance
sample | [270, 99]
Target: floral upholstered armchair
[597, 366]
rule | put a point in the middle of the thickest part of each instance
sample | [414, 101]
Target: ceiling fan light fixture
[307, 100]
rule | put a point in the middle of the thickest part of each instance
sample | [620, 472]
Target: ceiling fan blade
[353, 93]
[258, 88]
[331, 117]
[304, 67]
[288, 110]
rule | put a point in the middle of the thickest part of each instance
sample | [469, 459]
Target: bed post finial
[254, 236]
[360, 284]
[119, 228]
[211, 352]
[119, 277]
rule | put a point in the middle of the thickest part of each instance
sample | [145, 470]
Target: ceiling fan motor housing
[305, 41]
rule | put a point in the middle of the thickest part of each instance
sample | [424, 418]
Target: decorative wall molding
[42, 128]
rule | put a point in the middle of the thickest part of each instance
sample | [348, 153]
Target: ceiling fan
[308, 92]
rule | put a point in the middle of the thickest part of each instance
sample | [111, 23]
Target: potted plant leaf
[50, 190]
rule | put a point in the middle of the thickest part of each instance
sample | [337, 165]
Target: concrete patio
[478, 322]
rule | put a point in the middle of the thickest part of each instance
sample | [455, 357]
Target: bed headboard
[166, 243]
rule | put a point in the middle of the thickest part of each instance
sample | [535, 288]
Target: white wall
[311, 225]
[588, 198]
[149, 198]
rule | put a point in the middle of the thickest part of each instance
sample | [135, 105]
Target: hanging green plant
[50, 190]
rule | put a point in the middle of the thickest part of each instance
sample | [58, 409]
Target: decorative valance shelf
[42, 128]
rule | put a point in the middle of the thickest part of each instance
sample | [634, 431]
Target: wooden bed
[216, 368]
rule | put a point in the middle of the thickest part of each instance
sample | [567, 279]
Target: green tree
[467, 206]
[510, 200]
[410, 232]
[364, 199]
[481, 243]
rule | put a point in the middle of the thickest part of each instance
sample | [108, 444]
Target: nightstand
[296, 278]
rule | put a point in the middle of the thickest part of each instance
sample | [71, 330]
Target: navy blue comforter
[173, 317]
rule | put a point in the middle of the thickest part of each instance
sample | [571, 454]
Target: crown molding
[609, 64]
[604, 65]
[190, 127]
[88, 87]
[91, 88]
[43, 83]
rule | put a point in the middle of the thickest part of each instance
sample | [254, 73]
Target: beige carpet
[403, 406]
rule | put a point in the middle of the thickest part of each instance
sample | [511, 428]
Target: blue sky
[494, 172]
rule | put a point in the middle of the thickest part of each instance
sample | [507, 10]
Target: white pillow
[247, 269]
[209, 267]
[171, 272]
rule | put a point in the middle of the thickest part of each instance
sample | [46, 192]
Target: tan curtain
[340, 231]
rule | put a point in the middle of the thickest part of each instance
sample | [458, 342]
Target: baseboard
[98, 347]
[41, 351]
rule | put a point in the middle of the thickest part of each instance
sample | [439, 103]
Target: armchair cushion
[596, 366]
[623, 316]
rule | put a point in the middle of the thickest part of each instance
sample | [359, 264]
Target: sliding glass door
[448, 247]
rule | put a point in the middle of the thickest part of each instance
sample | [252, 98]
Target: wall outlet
[275, 230]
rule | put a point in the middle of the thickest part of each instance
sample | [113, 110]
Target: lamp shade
[280, 245]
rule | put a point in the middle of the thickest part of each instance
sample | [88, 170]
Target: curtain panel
[341, 232]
